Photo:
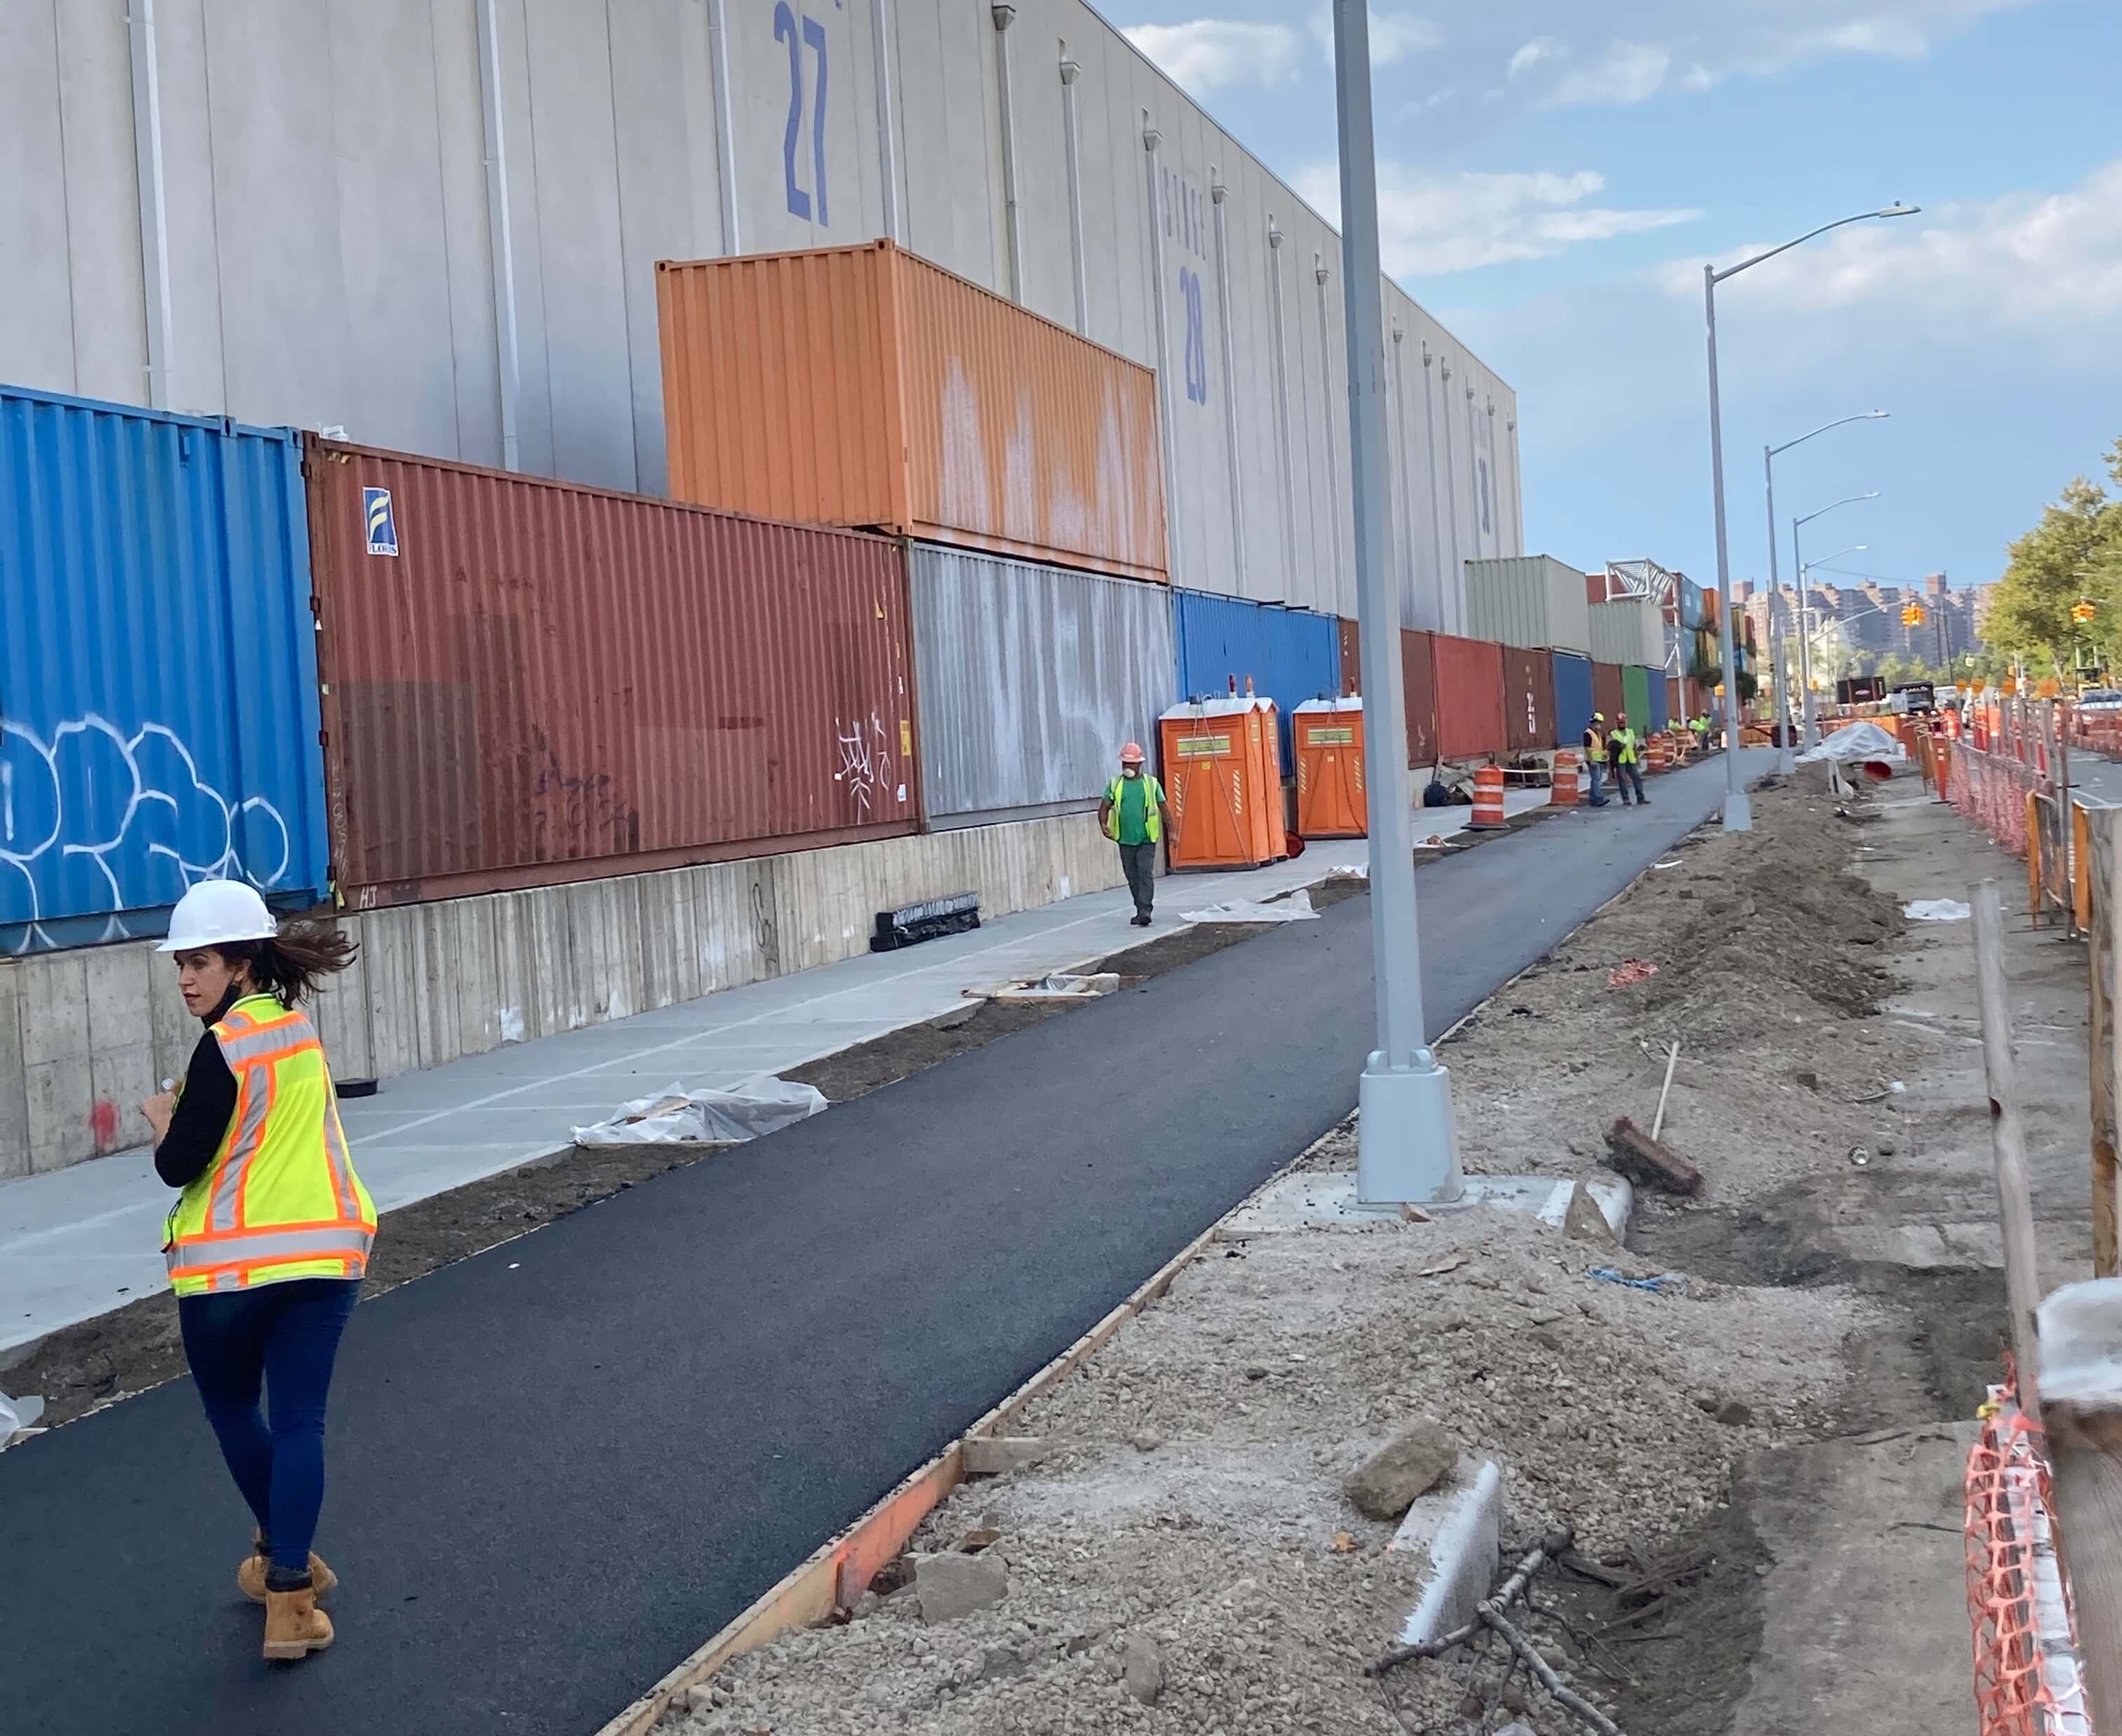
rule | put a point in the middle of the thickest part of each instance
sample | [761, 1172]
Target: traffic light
[2083, 613]
[1912, 615]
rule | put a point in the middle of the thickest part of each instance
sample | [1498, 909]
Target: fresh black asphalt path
[558, 1468]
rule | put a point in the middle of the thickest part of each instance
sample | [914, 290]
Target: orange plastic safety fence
[2026, 1681]
[1991, 791]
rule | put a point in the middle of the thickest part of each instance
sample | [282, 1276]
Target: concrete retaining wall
[85, 1035]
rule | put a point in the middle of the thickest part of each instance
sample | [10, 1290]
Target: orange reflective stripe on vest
[281, 1198]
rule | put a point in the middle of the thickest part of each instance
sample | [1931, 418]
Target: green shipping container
[1636, 696]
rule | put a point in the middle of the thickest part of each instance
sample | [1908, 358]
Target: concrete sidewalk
[81, 1240]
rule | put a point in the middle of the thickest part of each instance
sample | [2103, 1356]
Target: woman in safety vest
[270, 1237]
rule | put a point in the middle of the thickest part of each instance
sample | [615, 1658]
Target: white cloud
[1540, 49]
[1431, 225]
[2046, 264]
[1208, 54]
[1394, 36]
[1624, 73]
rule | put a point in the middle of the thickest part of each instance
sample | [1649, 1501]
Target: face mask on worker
[1130, 770]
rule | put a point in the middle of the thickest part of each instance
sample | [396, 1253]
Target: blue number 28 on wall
[812, 35]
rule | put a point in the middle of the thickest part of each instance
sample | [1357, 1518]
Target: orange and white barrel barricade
[1952, 726]
[1563, 787]
[1661, 754]
[1487, 801]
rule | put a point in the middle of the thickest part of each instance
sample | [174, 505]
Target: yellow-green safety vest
[1624, 740]
[1153, 802]
[280, 1200]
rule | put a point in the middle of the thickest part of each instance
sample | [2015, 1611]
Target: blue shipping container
[1292, 654]
[158, 676]
[1661, 700]
[1573, 697]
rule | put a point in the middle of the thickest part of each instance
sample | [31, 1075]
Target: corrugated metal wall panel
[1469, 697]
[1573, 703]
[1529, 723]
[1656, 699]
[1636, 695]
[1629, 629]
[1530, 600]
[550, 683]
[1290, 655]
[865, 387]
[1607, 694]
[1418, 670]
[1030, 677]
[158, 701]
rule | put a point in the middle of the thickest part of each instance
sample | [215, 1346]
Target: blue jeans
[1598, 771]
[284, 1336]
[1625, 775]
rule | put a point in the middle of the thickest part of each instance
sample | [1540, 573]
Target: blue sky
[1553, 177]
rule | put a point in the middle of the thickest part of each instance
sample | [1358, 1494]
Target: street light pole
[1804, 589]
[1407, 1142]
[1769, 456]
[1738, 811]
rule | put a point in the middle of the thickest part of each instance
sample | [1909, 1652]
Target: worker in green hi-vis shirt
[1133, 816]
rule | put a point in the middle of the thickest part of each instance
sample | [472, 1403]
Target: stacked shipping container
[158, 695]
[1573, 699]
[529, 682]
[1288, 655]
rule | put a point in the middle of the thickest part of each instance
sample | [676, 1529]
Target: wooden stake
[1657, 1121]
[2081, 1396]
[2103, 1056]
[2007, 1138]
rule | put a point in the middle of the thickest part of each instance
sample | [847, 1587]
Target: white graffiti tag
[861, 767]
[103, 822]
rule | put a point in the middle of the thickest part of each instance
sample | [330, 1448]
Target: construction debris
[1648, 1162]
[1385, 1484]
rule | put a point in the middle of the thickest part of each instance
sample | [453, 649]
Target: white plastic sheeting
[676, 1117]
[1296, 908]
[1858, 741]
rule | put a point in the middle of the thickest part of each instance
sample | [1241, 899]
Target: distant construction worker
[1700, 726]
[1133, 816]
[1595, 756]
[270, 1238]
[1624, 752]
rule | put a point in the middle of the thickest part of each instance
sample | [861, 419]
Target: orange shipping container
[863, 386]
[1330, 798]
[1223, 779]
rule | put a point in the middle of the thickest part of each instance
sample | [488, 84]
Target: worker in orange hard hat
[1133, 816]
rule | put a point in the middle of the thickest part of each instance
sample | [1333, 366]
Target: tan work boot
[251, 1576]
[294, 1625]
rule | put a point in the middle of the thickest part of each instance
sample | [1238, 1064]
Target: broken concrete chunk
[1145, 1440]
[1649, 1162]
[997, 1455]
[1584, 1222]
[1734, 1415]
[1141, 1670]
[1399, 1474]
[952, 1586]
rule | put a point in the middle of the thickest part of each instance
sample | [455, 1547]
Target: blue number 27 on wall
[813, 36]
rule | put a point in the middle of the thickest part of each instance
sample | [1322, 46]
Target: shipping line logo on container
[381, 522]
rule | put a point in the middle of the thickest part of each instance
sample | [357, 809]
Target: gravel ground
[1191, 1506]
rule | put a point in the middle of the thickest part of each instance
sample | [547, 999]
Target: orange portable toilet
[1222, 778]
[1330, 799]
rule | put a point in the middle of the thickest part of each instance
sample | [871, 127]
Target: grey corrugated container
[1628, 629]
[1533, 602]
[1030, 678]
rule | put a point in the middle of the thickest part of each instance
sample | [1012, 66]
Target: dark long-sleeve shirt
[205, 1107]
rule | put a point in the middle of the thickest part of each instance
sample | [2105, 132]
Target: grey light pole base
[1407, 1138]
[1787, 757]
[1738, 811]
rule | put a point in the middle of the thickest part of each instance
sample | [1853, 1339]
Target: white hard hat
[215, 911]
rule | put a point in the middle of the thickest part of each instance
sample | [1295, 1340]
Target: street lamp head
[1897, 209]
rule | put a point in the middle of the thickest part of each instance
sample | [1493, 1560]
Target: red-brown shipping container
[526, 682]
[1418, 670]
[1351, 657]
[1528, 700]
[1469, 697]
[1607, 691]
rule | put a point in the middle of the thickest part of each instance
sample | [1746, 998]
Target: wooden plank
[2081, 870]
[2007, 1140]
[2081, 1400]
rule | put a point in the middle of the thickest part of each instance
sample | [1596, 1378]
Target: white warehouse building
[332, 214]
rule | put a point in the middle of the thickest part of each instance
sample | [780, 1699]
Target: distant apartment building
[1867, 619]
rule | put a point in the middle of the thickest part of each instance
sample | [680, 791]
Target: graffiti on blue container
[114, 824]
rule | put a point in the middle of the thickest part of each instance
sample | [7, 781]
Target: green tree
[2073, 554]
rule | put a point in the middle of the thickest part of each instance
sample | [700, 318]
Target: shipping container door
[1469, 698]
[1636, 695]
[1658, 701]
[1352, 657]
[158, 691]
[1289, 655]
[1528, 699]
[1573, 703]
[1417, 668]
[1608, 696]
